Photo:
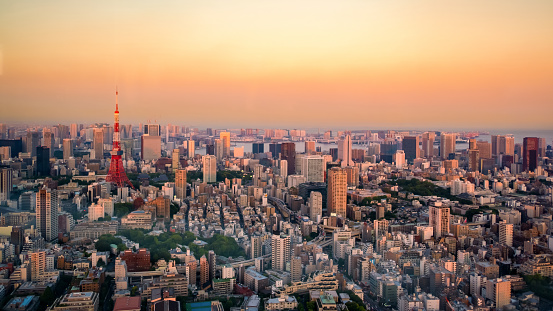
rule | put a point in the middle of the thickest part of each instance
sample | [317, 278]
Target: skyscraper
[295, 269]
[67, 148]
[313, 168]
[474, 160]
[190, 148]
[38, 265]
[337, 191]
[275, 149]
[258, 148]
[315, 206]
[225, 139]
[428, 144]
[485, 149]
[6, 176]
[42, 161]
[32, 142]
[47, 214]
[399, 158]
[98, 143]
[256, 246]
[447, 144]
[74, 130]
[411, 148]
[506, 233]
[204, 271]
[288, 153]
[344, 151]
[280, 251]
[180, 183]
[48, 141]
[219, 151]
[439, 219]
[530, 153]
[210, 168]
[175, 159]
[309, 147]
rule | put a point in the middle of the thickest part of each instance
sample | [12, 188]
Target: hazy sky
[262, 63]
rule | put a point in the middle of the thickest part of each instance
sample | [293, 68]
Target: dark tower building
[210, 149]
[258, 148]
[530, 153]
[42, 161]
[288, 153]
[334, 153]
[275, 149]
[411, 148]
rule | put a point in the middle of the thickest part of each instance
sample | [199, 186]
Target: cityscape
[262, 156]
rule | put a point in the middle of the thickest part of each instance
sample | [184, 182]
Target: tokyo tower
[116, 170]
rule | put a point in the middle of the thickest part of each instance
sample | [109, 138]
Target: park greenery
[104, 243]
[540, 285]
[426, 188]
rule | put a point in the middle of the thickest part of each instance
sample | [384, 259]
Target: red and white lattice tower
[116, 173]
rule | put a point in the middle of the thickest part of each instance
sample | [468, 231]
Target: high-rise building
[98, 143]
[313, 168]
[256, 246]
[210, 168]
[283, 167]
[48, 141]
[344, 151]
[499, 292]
[219, 151]
[411, 148]
[204, 271]
[211, 260]
[32, 142]
[439, 219]
[74, 130]
[315, 206]
[175, 159]
[337, 191]
[6, 176]
[43, 161]
[3, 131]
[485, 149]
[288, 153]
[295, 269]
[258, 148]
[474, 160]
[399, 158]
[447, 144]
[95, 211]
[280, 251]
[107, 204]
[352, 173]
[47, 214]
[151, 147]
[530, 153]
[67, 149]
[38, 265]
[190, 148]
[152, 130]
[180, 184]
[275, 149]
[507, 145]
[310, 147]
[428, 144]
[225, 139]
[506, 233]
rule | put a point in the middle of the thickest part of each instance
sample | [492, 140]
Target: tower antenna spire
[116, 99]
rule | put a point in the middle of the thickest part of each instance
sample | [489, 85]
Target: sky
[260, 63]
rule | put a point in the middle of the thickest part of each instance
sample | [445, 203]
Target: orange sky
[357, 63]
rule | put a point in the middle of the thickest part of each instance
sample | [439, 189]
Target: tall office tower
[288, 153]
[439, 219]
[447, 144]
[47, 214]
[17, 238]
[507, 145]
[499, 292]
[175, 159]
[219, 152]
[381, 228]
[256, 246]
[472, 144]
[399, 158]
[315, 206]
[506, 233]
[210, 168]
[180, 183]
[192, 271]
[337, 191]
[280, 251]
[428, 139]
[225, 139]
[313, 168]
[38, 265]
[6, 176]
[495, 144]
[275, 149]
[116, 172]
[211, 259]
[67, 148]
[95, 211]
[530, 153]
[190, 148]
[32, 142]
[474, 160]
[411, 148]
[258, 148]
[283, 167]
[210, 149]
[344, 151]
[42, 161]
[3, 131]
[48, 141]
[485, 149]
[73, 130]
[152, 129]
[310, 147]
[107, 204]
[5, 153]
[204, 271]
[98, 143]
[541, 147]
[295, 269]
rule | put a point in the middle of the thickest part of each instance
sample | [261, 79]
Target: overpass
[283, 209]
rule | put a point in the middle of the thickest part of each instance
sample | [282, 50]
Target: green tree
[47, 298]
[100, 263]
